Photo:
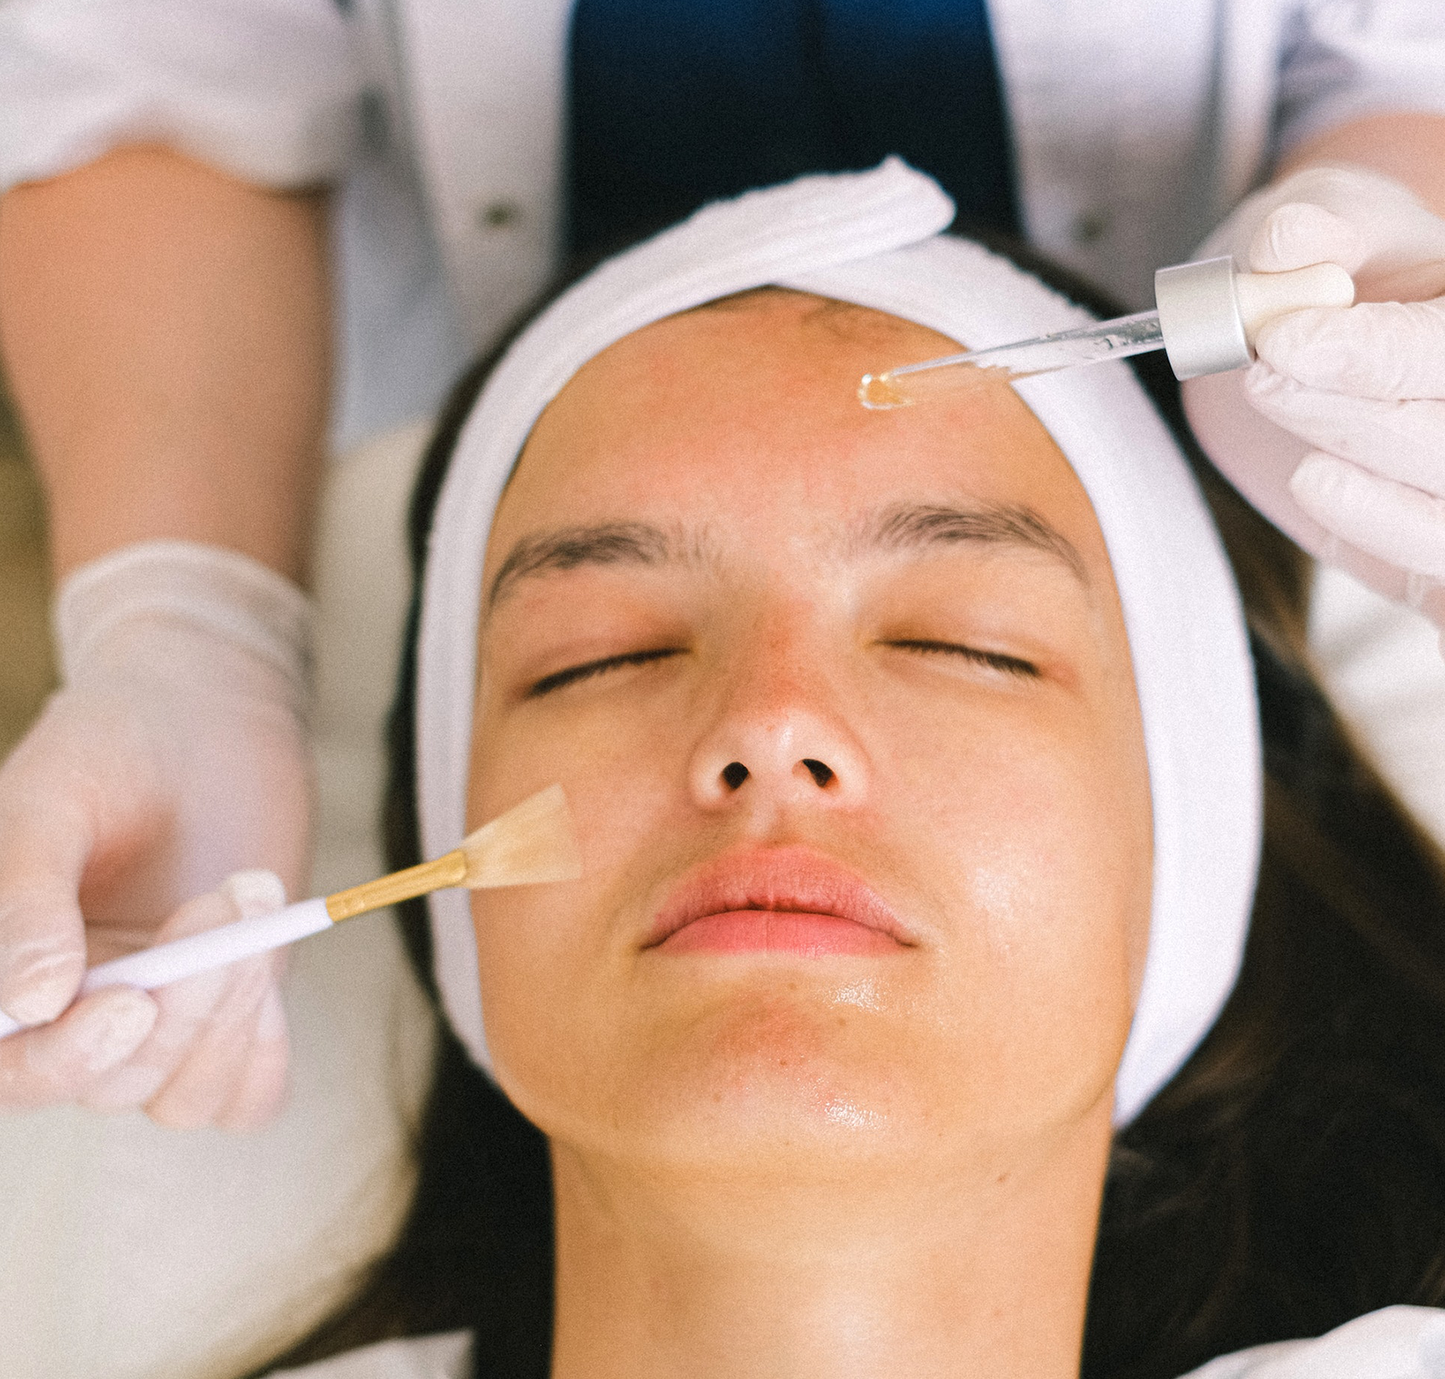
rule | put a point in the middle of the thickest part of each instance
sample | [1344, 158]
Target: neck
[967, 1272]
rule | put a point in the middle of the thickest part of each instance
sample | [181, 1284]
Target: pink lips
[778, 900]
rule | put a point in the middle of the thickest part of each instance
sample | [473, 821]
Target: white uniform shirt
[1393, 1343]
[1137, 124]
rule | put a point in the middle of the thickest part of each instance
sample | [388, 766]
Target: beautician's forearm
[1409, 148]
[165, 331]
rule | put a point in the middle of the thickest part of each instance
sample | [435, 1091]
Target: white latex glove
[1337, 432]
[174, 754]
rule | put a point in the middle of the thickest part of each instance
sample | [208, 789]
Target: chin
[771, 1080]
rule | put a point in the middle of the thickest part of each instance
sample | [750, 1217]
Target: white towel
[873, 239]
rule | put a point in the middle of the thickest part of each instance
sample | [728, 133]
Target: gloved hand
[174, 754]
[1337, 432]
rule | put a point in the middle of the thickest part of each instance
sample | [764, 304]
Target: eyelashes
[576, 674]
[994, 660]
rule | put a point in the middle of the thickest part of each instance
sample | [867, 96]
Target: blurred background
[26, 669]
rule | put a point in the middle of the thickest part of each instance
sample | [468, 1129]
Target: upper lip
[795, 879]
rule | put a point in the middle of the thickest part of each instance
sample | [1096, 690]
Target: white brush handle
[185, 957]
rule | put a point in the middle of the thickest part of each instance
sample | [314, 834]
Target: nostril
[734, 774]
[821, 773]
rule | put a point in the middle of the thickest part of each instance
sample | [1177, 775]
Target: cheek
[1038, 845]
[554, 958]
[619, 770]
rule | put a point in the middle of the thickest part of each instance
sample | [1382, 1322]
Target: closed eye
[575, 674]
[995, 660]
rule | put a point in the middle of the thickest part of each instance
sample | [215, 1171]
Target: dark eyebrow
[609, 543]
[923, 524]
[896, 528]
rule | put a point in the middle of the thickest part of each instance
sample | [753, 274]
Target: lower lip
[778, 931]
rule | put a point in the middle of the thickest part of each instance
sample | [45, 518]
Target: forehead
[743, 417]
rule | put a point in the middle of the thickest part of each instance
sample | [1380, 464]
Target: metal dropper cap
[1209, 313]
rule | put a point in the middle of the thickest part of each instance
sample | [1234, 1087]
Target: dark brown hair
[1290, 1177]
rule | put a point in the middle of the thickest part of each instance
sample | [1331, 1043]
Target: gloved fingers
[1404, 441]
[42, 949]
[1371, 225]
[189, 1068]
[65, 1060]
[183, 1011]
[47, 831]
[81, 797]
[1390, 521]
[1301, 233]
[1373, 349]
[261, 1091]
[218, 1055]
[209, 1051]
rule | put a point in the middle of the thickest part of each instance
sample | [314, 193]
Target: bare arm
[1409, 148]
[166, 333]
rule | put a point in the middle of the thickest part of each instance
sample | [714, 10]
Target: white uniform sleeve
[1393, 1343]
[268, 90]
[1342, 59]
[432, 1357]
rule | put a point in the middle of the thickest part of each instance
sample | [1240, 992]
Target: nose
[735, 773]
[778, 738]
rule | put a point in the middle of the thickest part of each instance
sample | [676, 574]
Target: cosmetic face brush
[532, 843]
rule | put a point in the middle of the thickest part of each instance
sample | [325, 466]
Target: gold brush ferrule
[450, 870]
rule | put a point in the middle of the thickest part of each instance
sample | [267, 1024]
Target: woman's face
[843, 705]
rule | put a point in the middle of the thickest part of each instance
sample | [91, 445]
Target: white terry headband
[873, 239]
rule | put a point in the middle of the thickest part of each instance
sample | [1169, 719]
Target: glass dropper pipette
[1208, 315]
[1116, 339]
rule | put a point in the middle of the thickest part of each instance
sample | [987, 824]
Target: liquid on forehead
[768, 367]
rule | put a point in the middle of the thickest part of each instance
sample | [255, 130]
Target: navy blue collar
[674, 103]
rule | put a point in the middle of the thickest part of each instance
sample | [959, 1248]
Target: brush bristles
[531, 843]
